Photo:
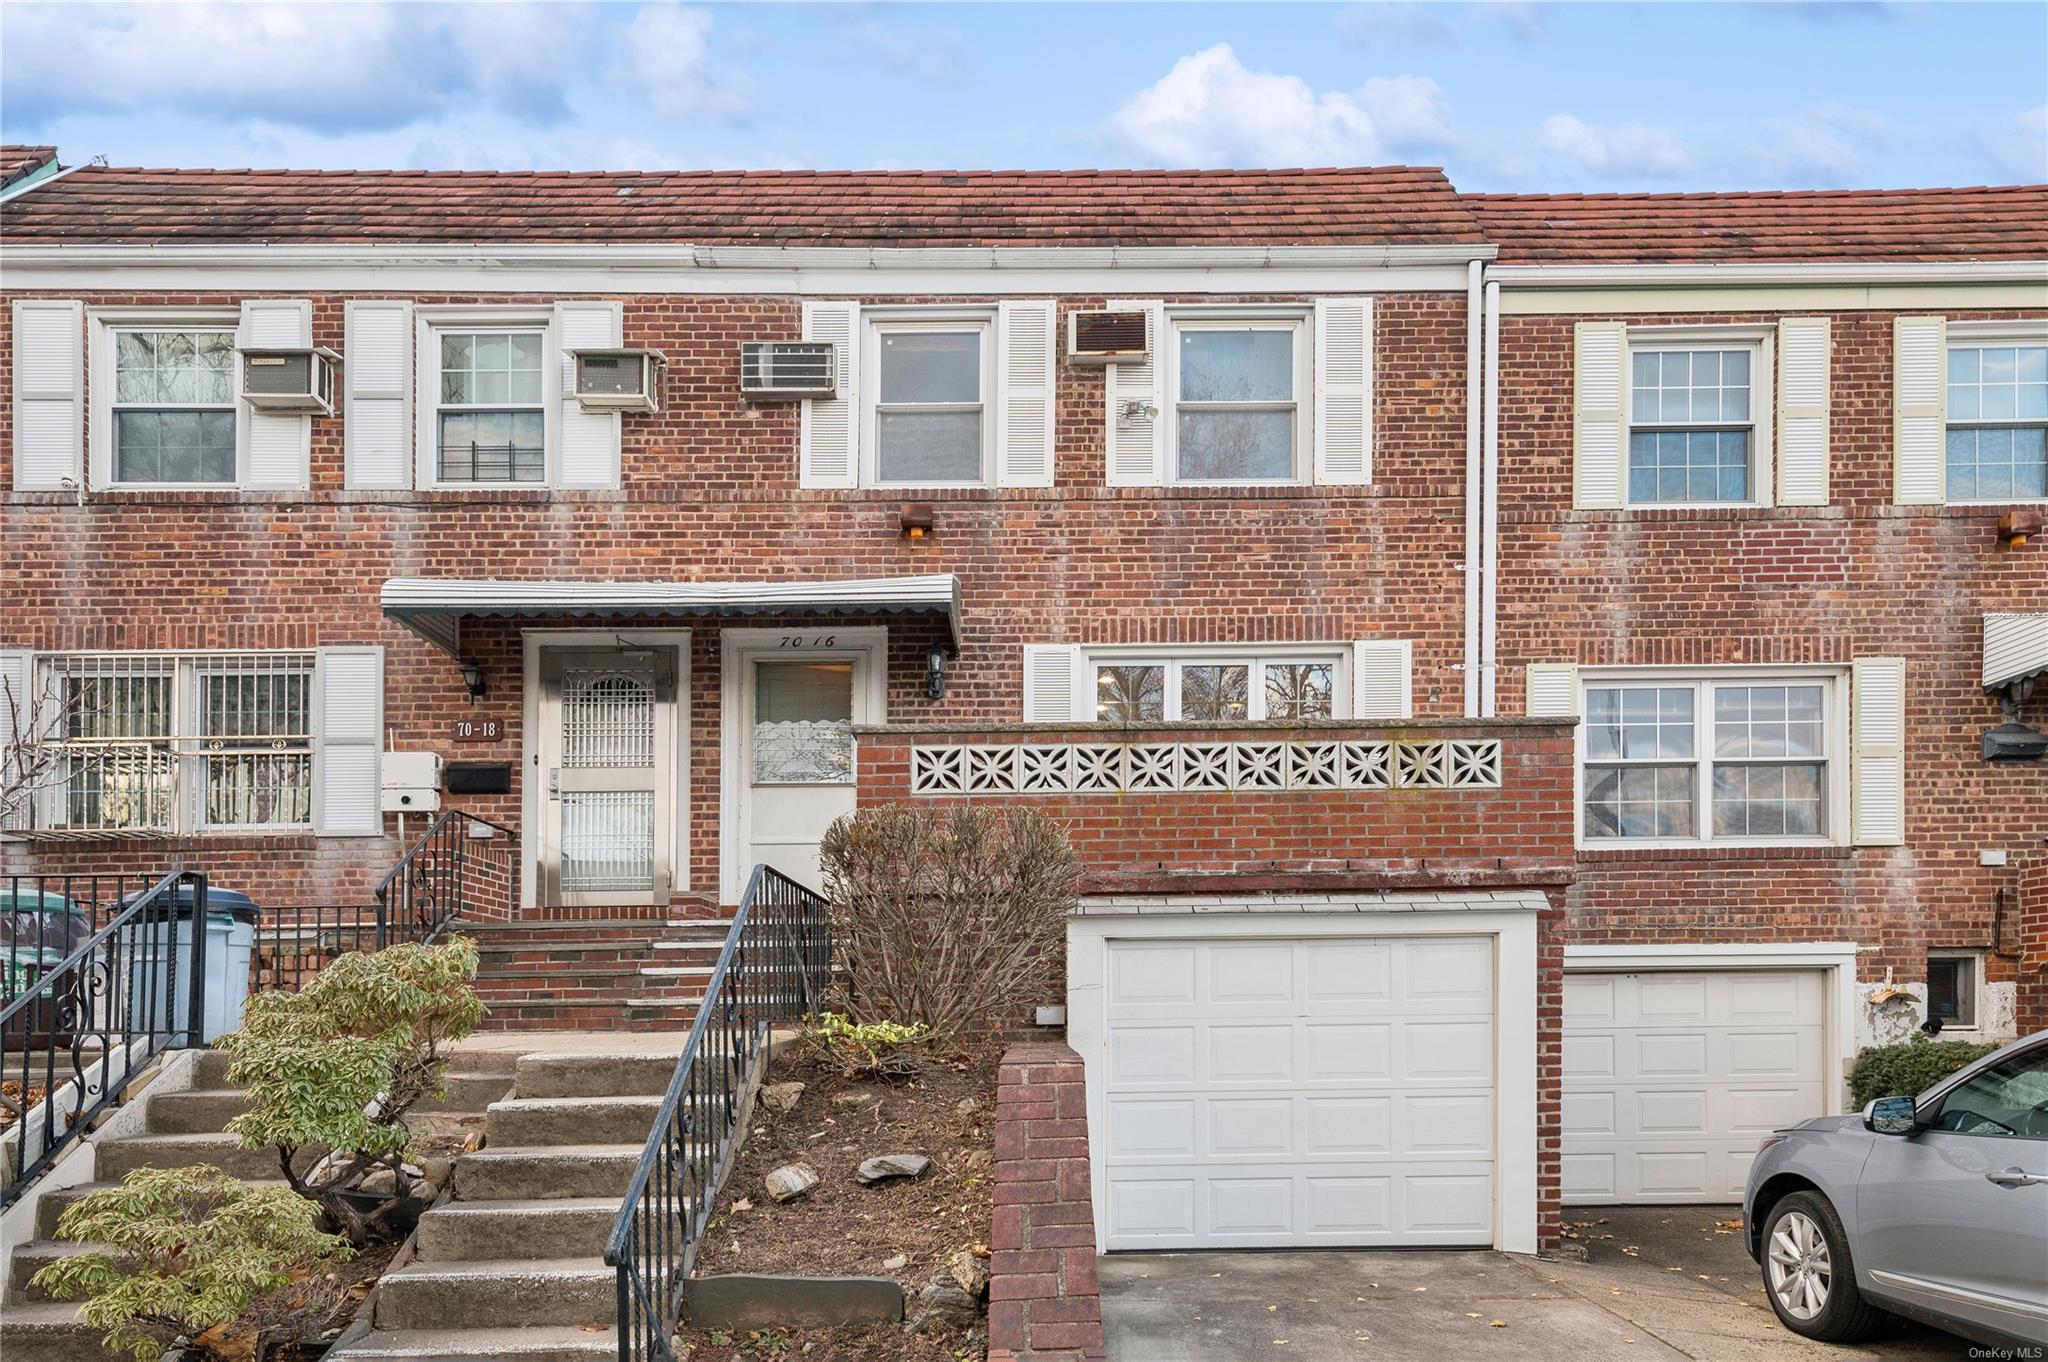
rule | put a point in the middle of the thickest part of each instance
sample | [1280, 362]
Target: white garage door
[1266, 1093]
[1671, 1079]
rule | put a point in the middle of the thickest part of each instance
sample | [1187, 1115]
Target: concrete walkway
[1473, 1306]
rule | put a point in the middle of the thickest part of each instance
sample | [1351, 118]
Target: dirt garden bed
[844, 1228]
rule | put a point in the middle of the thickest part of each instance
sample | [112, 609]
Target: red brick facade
[1043, 1300]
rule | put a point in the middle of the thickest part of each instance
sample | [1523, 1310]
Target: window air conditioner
[771, 370]
[290, 382]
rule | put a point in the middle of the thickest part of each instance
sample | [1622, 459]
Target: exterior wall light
[473, 679]
[935, 673]
[917, 520]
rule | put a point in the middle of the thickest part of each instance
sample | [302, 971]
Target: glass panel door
[607, 728]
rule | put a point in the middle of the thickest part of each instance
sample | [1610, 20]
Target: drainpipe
[1489, 537]
[1473, 310]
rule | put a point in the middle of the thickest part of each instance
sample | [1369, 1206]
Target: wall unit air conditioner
[1107, 337]
[290, 382]
[772, 370]
[619, 380]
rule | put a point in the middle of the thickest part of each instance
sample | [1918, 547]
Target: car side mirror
[1892, 1116]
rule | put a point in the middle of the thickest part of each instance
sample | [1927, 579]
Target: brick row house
[1516, 670]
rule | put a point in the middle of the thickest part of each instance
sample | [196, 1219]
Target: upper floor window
[1704, 760]
[1238, 400]
[173, 408]
[929, 386]
[1691, 424]
[1997, 439]
[490, 415]
[1223, 687]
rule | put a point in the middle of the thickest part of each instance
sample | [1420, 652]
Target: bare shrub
[948, 916]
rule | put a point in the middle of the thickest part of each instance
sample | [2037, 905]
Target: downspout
[1474, 275]
[1489, 538]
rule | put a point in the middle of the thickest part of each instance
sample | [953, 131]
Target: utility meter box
[412, 782]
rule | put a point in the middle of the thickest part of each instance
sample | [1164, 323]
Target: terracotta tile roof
[1393, 205]
[17, 161]
[2008, 222]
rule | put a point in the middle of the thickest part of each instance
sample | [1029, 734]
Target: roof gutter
[1786, 272]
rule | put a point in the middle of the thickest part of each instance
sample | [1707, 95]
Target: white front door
[1265, 1093]
[604, 757]
[799, 695]
[1671, 1077]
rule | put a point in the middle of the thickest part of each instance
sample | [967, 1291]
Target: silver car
[1933, 1207]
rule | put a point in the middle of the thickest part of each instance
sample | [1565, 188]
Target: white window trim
[105, 323]
[1835, 792]
[1176, 655]
[1760, 340]
[874, 323]
[1971, 336]
[428, 323]
[1299, 320]
[1974, 959]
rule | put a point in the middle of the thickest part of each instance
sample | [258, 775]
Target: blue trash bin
[230, 941]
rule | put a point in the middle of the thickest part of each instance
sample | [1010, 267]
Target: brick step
[486, 1345]
[564, 933]
[529, 1122]
[497, 1293]
[570, 1170]
[607, 1014]
[462, 1231]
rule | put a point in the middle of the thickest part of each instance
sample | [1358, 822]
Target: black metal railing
[105, 986]
[774, 967]
[462, 866]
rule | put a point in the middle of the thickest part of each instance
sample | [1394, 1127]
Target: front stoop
[625, 973]
[180, 1129]
[512, 1266]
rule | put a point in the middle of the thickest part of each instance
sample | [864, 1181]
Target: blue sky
[1506, 96]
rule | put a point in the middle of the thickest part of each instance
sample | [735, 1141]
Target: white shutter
[376, 368]
[278, 449]
[1878, 759]
[1919, 410]
[1381, 679]
[17, 724]
[828, 445]
[1343, 411]
[1805, 348]
[1553, 690]
[1598, 433]
[346, 783]
[1024, 393]
[590, 439]
[1055, 684]
[49, 393]
[1135, 438]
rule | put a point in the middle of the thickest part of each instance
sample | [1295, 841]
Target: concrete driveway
[1687, 1291]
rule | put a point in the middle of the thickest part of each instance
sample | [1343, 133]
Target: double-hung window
[928, 412]
[1227, 686]
[1238, 401]
[173, 406]
[1692, 423]
[1697, 759]
[490, 414]
[1997, 422]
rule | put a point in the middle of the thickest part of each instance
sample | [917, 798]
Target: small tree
[947, 916]
[341, 1062]
[187, 1251]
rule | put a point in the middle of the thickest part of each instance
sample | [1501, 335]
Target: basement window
[1952, 989]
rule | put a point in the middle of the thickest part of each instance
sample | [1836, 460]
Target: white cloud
[1828, 145]
[1210, 110]
[361, 65]
[1618, 151]
[667, 54]
[2020, 147]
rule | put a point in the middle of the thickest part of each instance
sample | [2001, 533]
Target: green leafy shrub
[187, 1251]
[867, 1049]
[948, 916]
[340, 1063]
[1909, 1069]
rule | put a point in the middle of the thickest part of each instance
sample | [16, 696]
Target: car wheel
[1808, 1274]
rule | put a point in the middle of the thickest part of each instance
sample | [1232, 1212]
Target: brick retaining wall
[1043, 1303]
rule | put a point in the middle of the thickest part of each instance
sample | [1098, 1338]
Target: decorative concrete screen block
[1117, 768]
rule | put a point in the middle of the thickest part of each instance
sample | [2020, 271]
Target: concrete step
[31, 1258]
[591, 1014]
[51, 1205]
[595, 1075]
[569, 1170]
[118, 1158]
[498, 1293]
[195, 1110]
[487, 1345]
[467, 1231]
[539, 1121]
[50, 1331]
[469, 1091]
[212, 1070]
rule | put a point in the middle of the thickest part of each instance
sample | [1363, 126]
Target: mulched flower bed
[842, 1228]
